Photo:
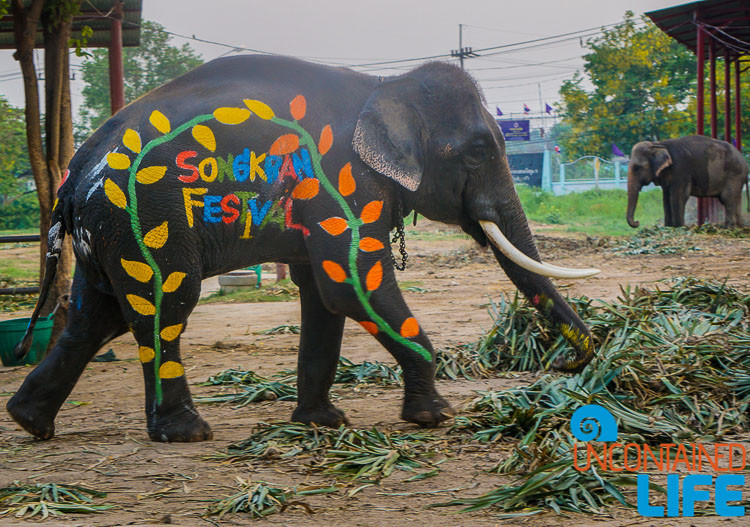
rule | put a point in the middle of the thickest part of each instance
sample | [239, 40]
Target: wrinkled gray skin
[421, 141]
[694, 165]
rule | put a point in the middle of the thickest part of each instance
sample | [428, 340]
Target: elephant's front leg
[365, 290]
[319, 349]
[668, 219]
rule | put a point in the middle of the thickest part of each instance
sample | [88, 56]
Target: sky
[356, 33]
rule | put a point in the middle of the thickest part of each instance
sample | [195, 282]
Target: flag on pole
[548, 108]
[616, 151]
[498, 111]
[526, 109]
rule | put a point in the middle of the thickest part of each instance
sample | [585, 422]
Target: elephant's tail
[54, 248]
[747, 193]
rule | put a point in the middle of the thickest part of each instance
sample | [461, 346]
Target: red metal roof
[727, 23]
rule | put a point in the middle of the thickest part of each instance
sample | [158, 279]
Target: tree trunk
[47, 164]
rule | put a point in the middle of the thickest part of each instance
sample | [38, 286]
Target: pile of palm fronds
[46, 499]
[673, 365]
[346, 452]
[376, 372]
[658, 240]
[262, 498]
[253, 388]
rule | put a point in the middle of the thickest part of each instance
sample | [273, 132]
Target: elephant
[693, 165]
[253, 159]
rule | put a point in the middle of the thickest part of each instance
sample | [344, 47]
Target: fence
[588, 172]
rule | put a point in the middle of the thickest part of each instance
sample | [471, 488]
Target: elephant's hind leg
[319, 349]
[170, 413]
[94, 318]
[731, 198]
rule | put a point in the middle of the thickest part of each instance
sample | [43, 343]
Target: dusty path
[101, 439]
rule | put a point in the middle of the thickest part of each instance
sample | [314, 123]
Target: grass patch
[283, 291]
[595, 212]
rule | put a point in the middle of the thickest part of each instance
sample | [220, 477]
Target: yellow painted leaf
[150, 175]
[231, 115]
[173, 282]
[170, 333]
[260, 109]
[157, 237]
[141, 305]
[374, 277]
[114, 193]
[334, 226]
[138, 270]
[118, 161]
[368, 244]
[132, 140]
[171, 369]
[204, 136]
[146, 354]
[160, 121]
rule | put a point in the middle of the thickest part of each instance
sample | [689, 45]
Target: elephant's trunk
[510, 222]
[634, 187]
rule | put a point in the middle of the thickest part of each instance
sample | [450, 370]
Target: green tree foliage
[14, 160]
[642, 83]
[147, 66]
[19, 208]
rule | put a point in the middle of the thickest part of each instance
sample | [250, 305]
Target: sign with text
[526, 168]
[514, 129]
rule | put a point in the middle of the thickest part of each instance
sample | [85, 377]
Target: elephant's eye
[477, 154]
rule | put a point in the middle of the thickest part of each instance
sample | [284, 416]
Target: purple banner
[515, 129]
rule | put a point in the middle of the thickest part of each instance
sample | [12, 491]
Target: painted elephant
[254, 159]
[693, 165]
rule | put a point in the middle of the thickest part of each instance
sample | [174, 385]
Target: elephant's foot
[426, 410]
[185, 426]
[33, 418]
[329, 416]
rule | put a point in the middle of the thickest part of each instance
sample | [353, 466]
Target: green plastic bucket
[11, 333]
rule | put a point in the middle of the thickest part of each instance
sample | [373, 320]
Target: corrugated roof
[94, 14]
[727, 23]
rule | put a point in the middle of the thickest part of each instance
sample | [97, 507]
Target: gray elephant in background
[694, 165]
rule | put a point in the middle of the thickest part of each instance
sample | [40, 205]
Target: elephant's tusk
[508, 249]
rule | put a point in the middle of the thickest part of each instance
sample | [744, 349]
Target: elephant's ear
[660, 160]
[388, 136]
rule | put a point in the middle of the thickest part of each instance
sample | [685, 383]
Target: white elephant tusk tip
[516, 256]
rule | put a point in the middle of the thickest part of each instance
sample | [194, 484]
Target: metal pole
[727, 98]
[700, 56]
[699, 110]
[712, 86]
[737, 105]
[116, 75]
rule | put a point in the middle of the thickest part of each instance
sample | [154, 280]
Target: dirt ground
[101, 437]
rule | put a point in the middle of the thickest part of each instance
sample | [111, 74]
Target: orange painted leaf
[326, 139]
[334, 226]
[347, 185]
[286, 144]
[334, 271]
[306, 189]
[371, 211]
[298, 107]
[374, 277]
[410, 328]
[369, 245]
[370, 327]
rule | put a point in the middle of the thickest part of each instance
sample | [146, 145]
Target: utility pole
[462, 52]
[541, 108]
